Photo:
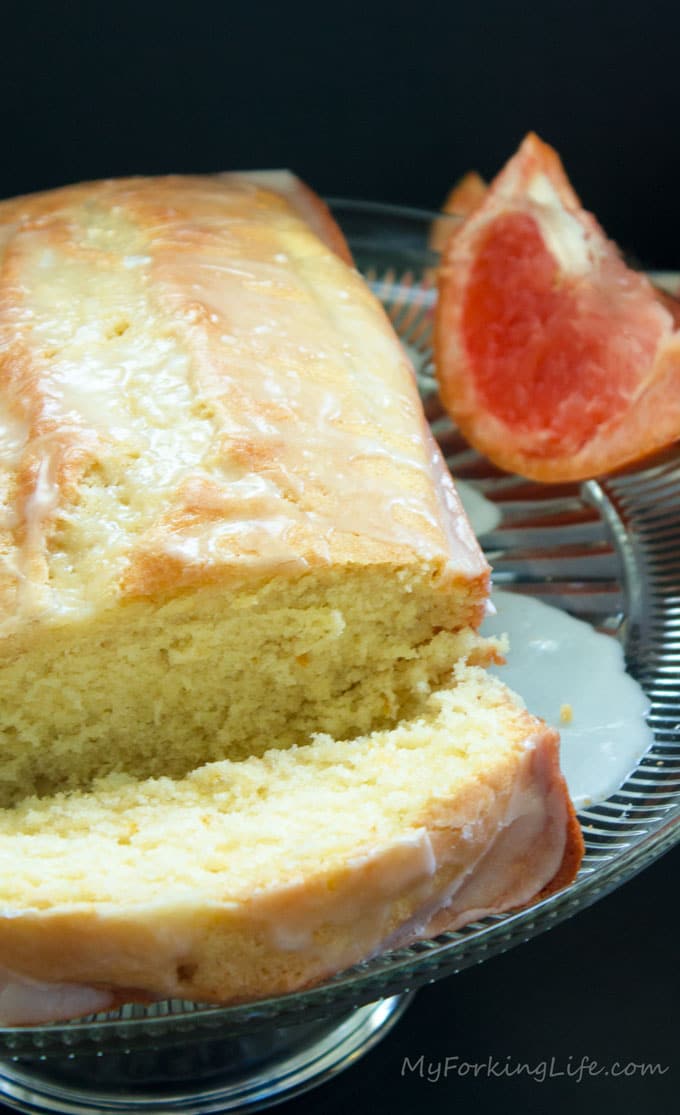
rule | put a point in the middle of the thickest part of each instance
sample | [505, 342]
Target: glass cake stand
[609, 553]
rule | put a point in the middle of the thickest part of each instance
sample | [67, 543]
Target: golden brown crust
[308, 204]
[571, 861]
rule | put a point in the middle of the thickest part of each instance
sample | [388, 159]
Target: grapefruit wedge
[462, 199]
[554, 358]
[466, 195]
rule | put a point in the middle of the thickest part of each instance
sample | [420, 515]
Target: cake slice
[256, 878]
[225, 524]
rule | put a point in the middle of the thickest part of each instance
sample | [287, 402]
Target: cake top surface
[195, 386]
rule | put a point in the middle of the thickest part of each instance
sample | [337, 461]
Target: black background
[372, 100]
[394, 102]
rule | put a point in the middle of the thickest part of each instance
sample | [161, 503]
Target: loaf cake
[246, 738]
[217, 485]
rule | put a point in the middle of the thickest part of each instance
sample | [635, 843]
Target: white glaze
[13, 435]
[292, 920]
[533, 818]
[25, 1002]
[484, 515]
[455, 522]
[554, 660]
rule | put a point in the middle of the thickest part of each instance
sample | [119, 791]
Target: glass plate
[608, 552]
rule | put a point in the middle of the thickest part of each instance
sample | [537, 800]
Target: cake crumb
[566, 714]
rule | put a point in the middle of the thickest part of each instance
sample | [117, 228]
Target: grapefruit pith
[555, 359]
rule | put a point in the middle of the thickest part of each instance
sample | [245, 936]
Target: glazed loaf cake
[245, 739]
[224, 524]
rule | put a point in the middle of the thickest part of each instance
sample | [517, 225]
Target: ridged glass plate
[607, 552]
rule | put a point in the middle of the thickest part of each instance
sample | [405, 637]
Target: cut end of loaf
[152, 690]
